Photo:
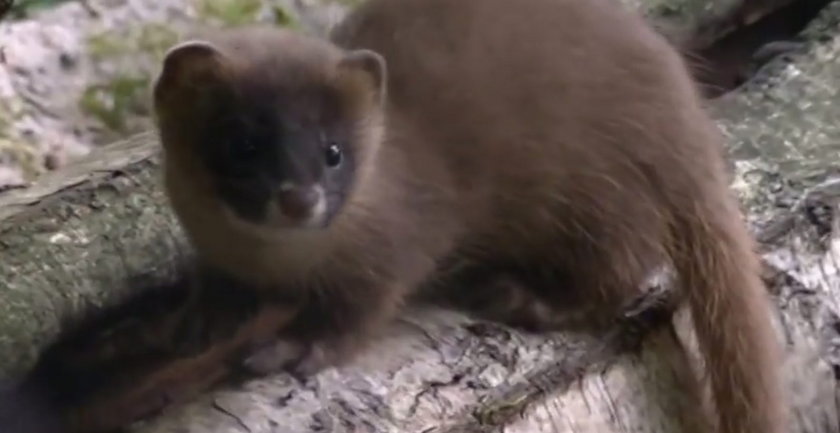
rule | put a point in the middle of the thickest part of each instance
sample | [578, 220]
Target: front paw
[273, 357]
[301, 360]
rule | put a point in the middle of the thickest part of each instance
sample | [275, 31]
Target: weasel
[552, 154]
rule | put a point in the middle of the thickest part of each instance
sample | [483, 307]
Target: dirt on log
[70, 242]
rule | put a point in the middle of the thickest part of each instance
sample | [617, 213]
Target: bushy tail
[718, 270]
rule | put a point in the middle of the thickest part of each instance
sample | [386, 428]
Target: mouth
[291, 209]
[276, 221]
[277, 228]
[317, 221]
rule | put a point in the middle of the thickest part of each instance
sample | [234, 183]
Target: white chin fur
[320, 211]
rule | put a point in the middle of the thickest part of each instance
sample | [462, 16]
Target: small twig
[92, 10]
[241, 423]
[38, 104]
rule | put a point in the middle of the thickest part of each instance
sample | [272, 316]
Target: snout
[303, 204]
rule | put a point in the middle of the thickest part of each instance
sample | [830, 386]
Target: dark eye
[333, 155]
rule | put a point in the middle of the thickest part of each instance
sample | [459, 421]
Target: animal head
[277, 127]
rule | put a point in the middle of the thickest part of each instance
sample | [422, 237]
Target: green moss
[105, 45]
[156, 38]
[22, 8]
[230, 12]
[4, 122]
[666, 10]
[349, 2]
[23, 155]
[152, 38]
[111, 102]
[124, 95]
[283, 18]
[14, 148]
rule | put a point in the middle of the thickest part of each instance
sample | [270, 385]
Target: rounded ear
[189, 65]
[370, 63]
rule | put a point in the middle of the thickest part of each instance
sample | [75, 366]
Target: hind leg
[587, 289]
[535, 300]
[503, 297]
[523, 304]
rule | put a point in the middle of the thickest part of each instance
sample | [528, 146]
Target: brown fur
[558, 147]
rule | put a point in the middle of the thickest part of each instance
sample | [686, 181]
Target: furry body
[553, 154]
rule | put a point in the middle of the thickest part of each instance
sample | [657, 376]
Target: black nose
[297, 202]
